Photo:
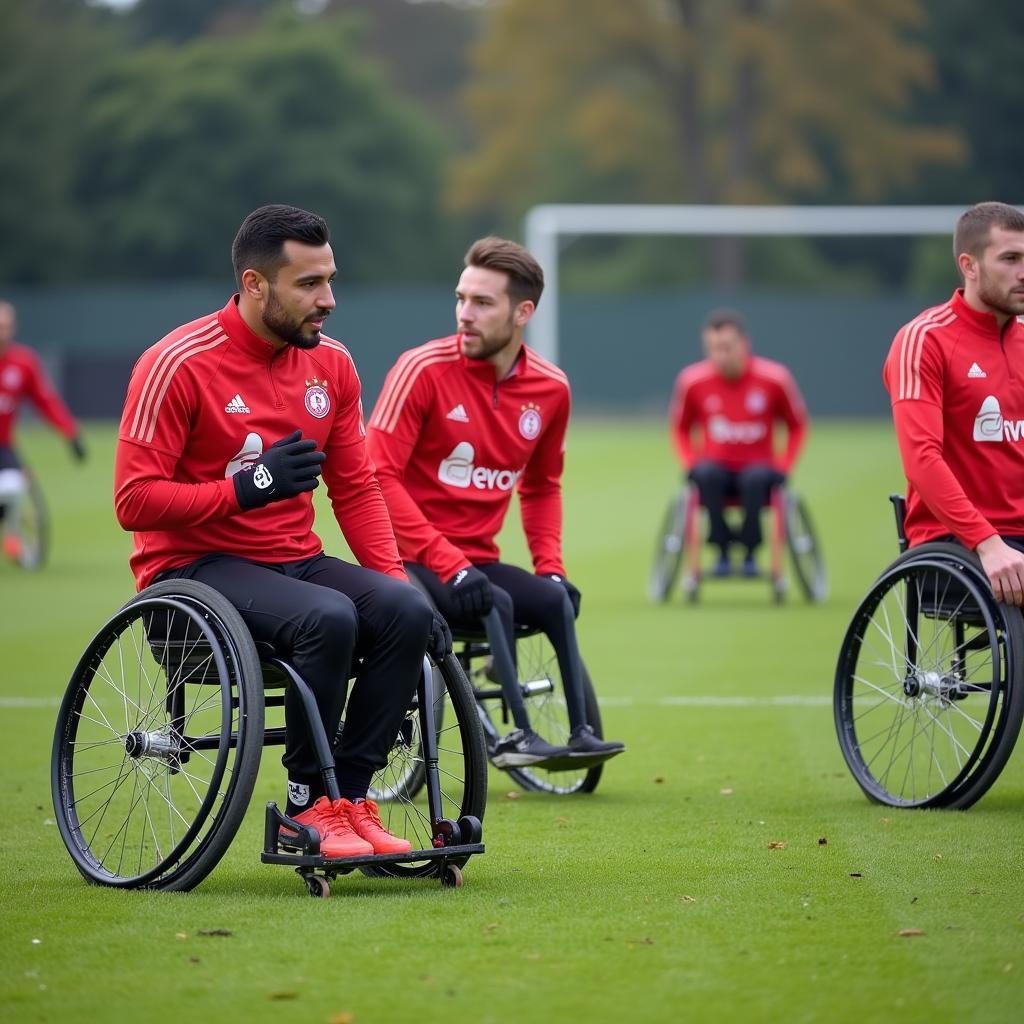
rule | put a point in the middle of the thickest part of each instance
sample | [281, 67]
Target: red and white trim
[912, 345]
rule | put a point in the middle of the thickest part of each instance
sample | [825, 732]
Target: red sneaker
[365, 819]
[13, 547]
[337, 837]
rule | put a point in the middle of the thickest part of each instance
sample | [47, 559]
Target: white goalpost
[547, 225]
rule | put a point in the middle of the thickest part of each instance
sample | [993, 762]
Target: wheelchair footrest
[304, 849]
[345, 863]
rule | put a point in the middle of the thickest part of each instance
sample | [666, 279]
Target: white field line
[685, 701]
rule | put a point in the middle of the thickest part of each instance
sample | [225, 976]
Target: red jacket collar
[485, 370]
[983, 323]
[238, 330]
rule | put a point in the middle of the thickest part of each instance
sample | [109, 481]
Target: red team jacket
[21, 377]
[205, 402]
[450, 443]
[957, 390]
[737, 416]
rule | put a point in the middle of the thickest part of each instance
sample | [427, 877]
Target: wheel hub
[151, 744]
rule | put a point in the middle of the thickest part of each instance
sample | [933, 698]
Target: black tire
[668, 552]
[928, 698]
[158, 740]
[804, 550]
[400, 788]
[544, 697]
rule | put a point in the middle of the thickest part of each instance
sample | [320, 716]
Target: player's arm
[793, 414]
[540, 495]
[391, 445]
[354, 490]
[147, 497]
[150, 443]
[682, 419]
[51, 406]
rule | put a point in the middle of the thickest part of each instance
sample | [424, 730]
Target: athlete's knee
[331, 623]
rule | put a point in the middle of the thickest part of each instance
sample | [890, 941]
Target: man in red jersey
[955, 378]
[228, 423]
[735, 399]
[460, 422]
[21, 377]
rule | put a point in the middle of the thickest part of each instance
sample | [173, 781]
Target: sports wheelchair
[540, 683]
[158, 742]
[29, 537]
[929, 686]
[791, 528]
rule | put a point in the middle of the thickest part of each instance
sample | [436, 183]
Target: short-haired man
[22, 377]
[955, 375]
[735, 399]
[228, 424]
[460, 422]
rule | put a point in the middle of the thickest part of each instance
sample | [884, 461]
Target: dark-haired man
[955, 378]
[735, 399]
[228, 424]
[460, 423]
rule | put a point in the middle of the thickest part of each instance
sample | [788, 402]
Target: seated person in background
[228, 424]
[459, 423]
[21, 377]
[955, 378]
[735, 399]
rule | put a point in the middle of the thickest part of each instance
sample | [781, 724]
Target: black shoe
[584, 742]
[523, 747]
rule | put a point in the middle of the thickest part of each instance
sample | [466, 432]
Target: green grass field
[666, 895]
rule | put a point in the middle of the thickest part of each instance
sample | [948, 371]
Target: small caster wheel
[452, 877]
[470, 829]
[318, 886]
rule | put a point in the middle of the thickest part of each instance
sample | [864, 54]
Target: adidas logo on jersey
[237, 405]
[976, 371]
[458, 414]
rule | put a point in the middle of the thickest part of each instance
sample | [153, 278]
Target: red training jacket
[22, 376]
[957, 389]
[737, 416]
[450, 442]
[204, 403]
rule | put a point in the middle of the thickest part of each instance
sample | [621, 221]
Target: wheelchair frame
[791, 529]
[929, 687]
[179, 668]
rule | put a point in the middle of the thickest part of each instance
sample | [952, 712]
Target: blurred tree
[40, 97]
[744, 101]
[157, 154]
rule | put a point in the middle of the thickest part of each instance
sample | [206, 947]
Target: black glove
[439, 646]
[77, 448]
[470, 593]
[287, 468]
[574, 595]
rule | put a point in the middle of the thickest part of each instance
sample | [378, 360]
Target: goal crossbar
[546, 225]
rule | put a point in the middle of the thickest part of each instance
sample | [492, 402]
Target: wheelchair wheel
[928, 697]
[802, 541]
[544, 697]
[400, 787]
[32, 528]
[668, 554]
[158, 740]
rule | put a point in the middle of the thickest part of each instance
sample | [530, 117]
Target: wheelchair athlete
[958, 402]
[735, 399]
[460, 422]
[228, 423]
[22, 377]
